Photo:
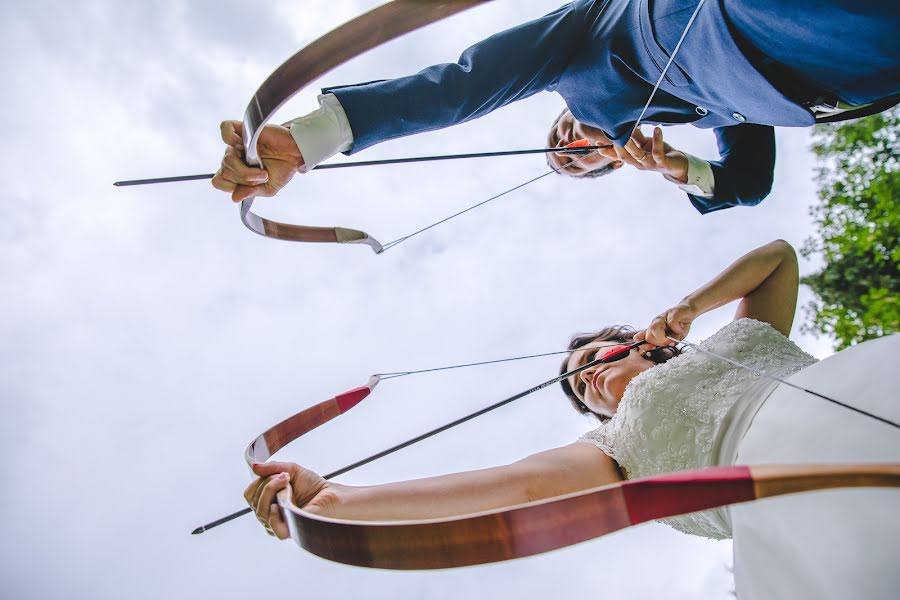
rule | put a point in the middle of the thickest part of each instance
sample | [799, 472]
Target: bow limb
[348, 41]
[278, 436]
[537, 527]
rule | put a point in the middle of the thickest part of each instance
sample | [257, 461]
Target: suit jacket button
[738, 117]
[701, 111]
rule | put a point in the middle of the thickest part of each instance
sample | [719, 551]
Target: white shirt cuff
[700, 178]
[322, 133]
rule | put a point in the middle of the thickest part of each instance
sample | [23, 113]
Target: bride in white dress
[662, 413]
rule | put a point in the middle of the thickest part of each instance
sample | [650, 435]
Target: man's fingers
[234, 169]
[239, 179]
[232, 133]
[242, 192]
[643, 157]
[220, 183]
[241, 172]
[634, 149]
[659, 147]
[639, 138]
[625, 156]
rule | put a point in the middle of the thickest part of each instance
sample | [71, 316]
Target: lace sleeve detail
[602, 438]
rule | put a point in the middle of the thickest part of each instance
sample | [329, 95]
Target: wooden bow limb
[277, 437]
[536, 527]
[351, 39]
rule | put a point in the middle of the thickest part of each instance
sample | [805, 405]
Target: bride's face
[601, 387]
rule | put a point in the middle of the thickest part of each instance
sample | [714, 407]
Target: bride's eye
[615, 353]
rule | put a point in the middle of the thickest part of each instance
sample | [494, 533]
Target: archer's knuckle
[223, 185]
[273, 485]
[232, 162]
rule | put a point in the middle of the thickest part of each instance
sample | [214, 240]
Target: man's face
[567, 130]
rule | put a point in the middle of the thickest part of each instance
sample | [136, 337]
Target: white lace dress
[697, 411]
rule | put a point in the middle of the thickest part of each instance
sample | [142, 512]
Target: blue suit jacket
[603, 57]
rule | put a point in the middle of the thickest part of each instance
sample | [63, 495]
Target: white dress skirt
[836, 544]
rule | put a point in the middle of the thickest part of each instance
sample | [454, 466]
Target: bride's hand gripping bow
[310, 492]
[675, 322]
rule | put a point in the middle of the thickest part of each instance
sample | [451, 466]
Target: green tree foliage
[858, 236]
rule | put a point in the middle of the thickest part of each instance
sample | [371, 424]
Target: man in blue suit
[744, 67]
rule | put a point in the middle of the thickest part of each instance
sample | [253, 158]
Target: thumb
[639, 138]
[242, 192]
[268, 469]
[232, 133]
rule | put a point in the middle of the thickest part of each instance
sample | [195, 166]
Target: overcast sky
[146, 336]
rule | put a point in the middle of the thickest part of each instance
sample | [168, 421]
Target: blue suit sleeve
[743, 176]
[505, 67]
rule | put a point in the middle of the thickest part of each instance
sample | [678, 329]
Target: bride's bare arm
[765, 280]
[774, 300]
[571, 468]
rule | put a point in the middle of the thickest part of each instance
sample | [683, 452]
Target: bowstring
[394, 374]
[553, 170]
[665, 70]
[637, 124]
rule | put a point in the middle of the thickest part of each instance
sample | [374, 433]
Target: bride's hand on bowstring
[309, 491]
[675, 322]
[651, 154]
[280, 156]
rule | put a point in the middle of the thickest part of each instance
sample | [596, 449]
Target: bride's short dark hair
[614, 333]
